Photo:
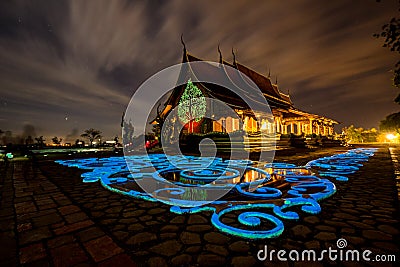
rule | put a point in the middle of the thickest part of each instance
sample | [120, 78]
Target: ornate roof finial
[269, 73]
[183, 43]
[276, 80]
[234, 57]
[220, 55]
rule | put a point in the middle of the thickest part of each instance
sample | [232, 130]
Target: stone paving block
[34, 235]
[72, 227]
[57, 225]
[247, 261]
[197, 219]
[102, 248]
[24, 227]
[23, 194]
[47, 206]
[24, 207]
[239, 247]
[32, 253]
[23, 199]
[167, 248]
[60, 241]
[193, 249]
[45, 201]
[63, 202]
[210, 260]
[76, 217]
[188, 238]
[48, 219]
[118, 260]
[69, 209]
[376, 235]
[68, 255]
[157, 262]
[141, 238]
[90, 233]
[216, 238]
[216, 249]
[181, 260]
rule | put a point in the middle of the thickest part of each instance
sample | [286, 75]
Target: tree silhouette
[128, 129]
[391, 123]
[353, 134]
[56, 141]
[40, 141]
[391, 34]
[91, 134]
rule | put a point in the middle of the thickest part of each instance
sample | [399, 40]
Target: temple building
[287, 119]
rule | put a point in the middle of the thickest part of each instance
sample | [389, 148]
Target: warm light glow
[264, 126]
[391, 137]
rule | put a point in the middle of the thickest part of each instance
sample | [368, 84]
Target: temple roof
[276, 99]
[270, 91]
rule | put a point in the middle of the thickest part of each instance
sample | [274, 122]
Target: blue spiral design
[249, 219]
[308, 185]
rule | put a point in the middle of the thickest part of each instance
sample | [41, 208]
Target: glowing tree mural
[192, 105]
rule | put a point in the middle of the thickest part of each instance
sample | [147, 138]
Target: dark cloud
[75, 64]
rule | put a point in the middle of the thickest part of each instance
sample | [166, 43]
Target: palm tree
[91, 134]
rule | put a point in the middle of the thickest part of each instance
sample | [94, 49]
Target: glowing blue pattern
[255, 201]
[339, 165]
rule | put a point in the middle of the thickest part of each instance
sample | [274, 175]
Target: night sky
[68, 66]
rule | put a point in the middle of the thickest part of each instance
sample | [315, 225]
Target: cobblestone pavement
[55, 219]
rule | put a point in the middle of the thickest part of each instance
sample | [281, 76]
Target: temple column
[291, 128]
[299, 128]
[237, 124]
[318, 132]
[245, 122]
[228, 124]
[311, 128]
